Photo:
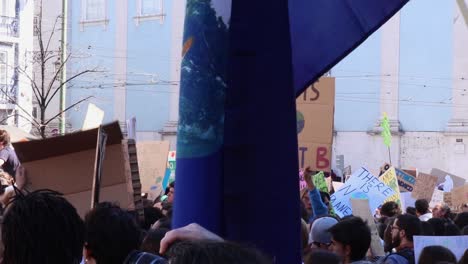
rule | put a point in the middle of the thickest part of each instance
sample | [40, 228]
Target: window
[36, 26]
[95, 10]
[93, 13]
[150, 10]
[151, 7]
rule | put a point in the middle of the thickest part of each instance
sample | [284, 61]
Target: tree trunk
[42, 128]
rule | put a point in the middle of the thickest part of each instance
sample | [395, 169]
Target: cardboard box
[66, 164]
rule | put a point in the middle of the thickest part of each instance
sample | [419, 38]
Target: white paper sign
[94, 117]
[456, 244]
[437, 198]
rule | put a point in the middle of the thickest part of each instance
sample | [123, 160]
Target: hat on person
[319, 230]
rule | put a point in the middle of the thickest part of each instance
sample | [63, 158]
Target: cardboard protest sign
[389, 178]
[405, 181]
[337, 185]
[361, 182]
[441, 177]
[152, 158]
[319, 182]
[456, 244]
[448, 199]
[66, 164]
[460, 195]
[437, 198]
[361, 208]
[315, 116]
[424, 187]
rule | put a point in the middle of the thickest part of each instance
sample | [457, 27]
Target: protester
[438, 225]
[152, 241]
[427, 229]
[8, 160]
[403, 229]
[387, 210]
[461, 220]
[422, 209]
[411, 210]
[214, 252]
[41, 227]
[351, 238]
[387, 237]
[152, 215]
[436, 254]
[319, 236]
[322, 257]
[110, 234]
[318, 206]
[451, 230]
[441, 211]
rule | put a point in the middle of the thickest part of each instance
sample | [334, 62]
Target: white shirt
[425, 217]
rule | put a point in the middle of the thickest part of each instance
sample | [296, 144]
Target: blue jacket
[318, 207]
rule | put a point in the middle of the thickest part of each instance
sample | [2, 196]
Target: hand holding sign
[308, 178]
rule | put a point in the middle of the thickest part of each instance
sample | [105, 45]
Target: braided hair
[41, 227]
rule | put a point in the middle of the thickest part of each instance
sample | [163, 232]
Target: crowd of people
[43, 227]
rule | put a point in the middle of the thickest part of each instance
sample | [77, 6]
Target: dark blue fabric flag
[237, 155]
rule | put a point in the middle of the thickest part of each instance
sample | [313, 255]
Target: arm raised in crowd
[318, 207]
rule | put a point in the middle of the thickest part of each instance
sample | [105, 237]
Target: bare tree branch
[53, 31]
[57, 72]
[61, 85]
[35, 89]
[25, 117]
[71, 106]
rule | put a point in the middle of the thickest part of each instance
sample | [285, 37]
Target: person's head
[152, 214]
[319, 235]
[351, 239]
[41, 227]
[171, 193]
[411, 210]
[438, 225]
[164, 222]
[461, 220]
[322, 256]
[110, 234]
[152, 241]
[404, 228]
[441, 211]
[422, 206]
[436, 254]
[426, 229]
[390, 209]
[214, 252]
[4, 138]
[325, 198]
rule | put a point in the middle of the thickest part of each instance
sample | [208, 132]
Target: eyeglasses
[395, 227]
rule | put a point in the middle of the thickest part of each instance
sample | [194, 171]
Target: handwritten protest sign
[362, 181]
[389, 177]
[424, 187]
[460, 195]
[337, 185]
[442, 176]
[320, 183]
[361, 208]
[437, 198]
[405, 180]
[456, 244]
[448, 199]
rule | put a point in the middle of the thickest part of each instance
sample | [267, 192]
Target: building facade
[415, 68]
[16, 38]
[136, 47]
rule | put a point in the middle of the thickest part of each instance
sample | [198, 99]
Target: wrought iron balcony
[9, 26]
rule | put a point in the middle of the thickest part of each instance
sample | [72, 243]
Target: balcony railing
[7, 94]
[9, 26]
